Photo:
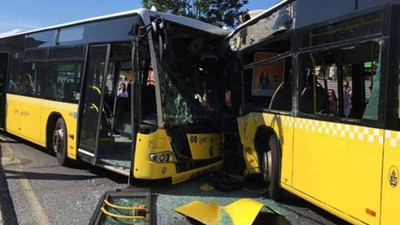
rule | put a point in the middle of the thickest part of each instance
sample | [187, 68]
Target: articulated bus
[318, 104]
[133, 92]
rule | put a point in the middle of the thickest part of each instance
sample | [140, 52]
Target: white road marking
[40, 216]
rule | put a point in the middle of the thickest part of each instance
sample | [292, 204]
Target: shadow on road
[45, 176]
[7, 206]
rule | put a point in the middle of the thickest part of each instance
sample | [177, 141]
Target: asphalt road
[36, 190]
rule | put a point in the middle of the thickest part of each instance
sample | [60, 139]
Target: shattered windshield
[189, 77]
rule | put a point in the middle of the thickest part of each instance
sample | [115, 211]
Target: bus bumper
[184, 176]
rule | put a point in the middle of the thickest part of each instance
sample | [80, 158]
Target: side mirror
[160, 33]
[154, 27]
[157, 25]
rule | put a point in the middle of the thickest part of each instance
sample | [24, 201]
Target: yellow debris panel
[241, 212]
[202, 212]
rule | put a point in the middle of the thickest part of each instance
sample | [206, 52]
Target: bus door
[106, 112]
[90, 112]
[3, 78]
[115, 131]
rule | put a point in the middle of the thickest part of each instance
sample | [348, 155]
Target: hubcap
[58, 137]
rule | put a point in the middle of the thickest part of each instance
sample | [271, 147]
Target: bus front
[184, 137]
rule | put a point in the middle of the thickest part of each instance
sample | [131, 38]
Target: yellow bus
[132, 92]
[318, 104]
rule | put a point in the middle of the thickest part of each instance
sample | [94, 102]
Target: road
[36, 190]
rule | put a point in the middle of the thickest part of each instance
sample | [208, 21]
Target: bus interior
[115, 134]
[345, 81]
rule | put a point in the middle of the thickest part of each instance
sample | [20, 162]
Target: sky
[32, 14]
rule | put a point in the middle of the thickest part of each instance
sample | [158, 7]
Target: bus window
[30, 80]
[267, 77]
[189, 78]
[41, 39]
[342, 82]
[64, 82]
[148, 86]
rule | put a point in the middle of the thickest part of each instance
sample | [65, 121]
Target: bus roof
[145, 15]
[313, 11]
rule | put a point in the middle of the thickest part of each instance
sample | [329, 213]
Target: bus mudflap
[128, 206]
[241, 212]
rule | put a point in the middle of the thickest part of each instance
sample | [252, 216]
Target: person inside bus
[347, 92]
[332, 101]
[27, 85]
[12, 87]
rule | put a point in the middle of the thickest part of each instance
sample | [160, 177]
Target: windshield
[189, 77]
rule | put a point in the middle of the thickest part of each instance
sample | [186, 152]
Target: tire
[270, 159]
[59, 143]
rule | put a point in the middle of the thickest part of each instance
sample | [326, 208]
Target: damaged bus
[133, 92]
[318, 104]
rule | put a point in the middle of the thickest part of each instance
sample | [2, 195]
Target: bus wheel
[60, 142]
[270, 167]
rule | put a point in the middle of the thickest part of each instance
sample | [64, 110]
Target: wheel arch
[261, 138]
[51, 122]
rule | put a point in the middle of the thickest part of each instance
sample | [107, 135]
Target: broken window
[359, 27]
[189, 76]
[341, 82]
[277, 22]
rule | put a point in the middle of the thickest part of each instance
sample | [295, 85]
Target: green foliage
[217, 12]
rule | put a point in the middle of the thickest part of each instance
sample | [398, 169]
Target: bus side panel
[32, 119]
[339, 165]
[24, 117]
[13, 115]
[69, 113]
[282, 126]
[390, 179]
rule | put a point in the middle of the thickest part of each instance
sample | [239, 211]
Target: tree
[218, 12]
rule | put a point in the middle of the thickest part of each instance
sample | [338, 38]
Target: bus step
[128, 206]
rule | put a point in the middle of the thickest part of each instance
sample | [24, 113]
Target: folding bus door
[90, 125]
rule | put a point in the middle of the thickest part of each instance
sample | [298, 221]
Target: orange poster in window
[267, 77]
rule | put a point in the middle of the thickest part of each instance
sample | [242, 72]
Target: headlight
[163, 157]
